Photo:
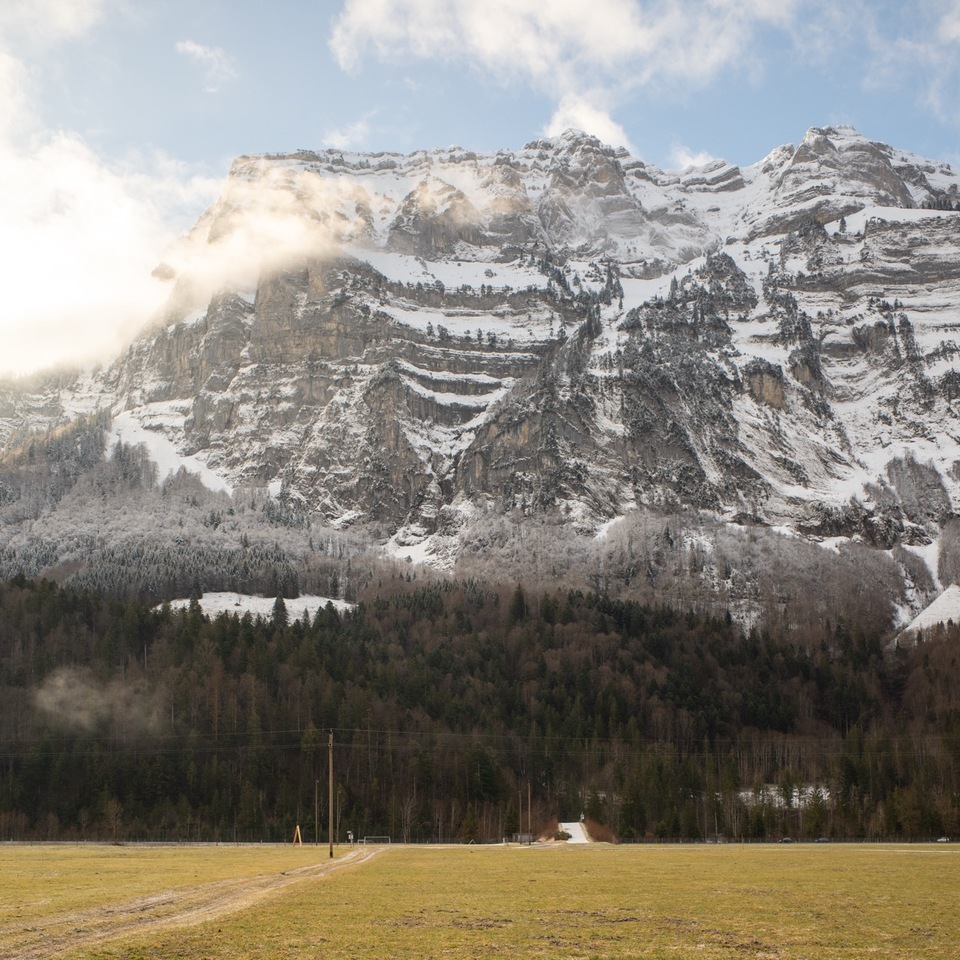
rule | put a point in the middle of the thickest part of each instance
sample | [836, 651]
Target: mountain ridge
[402, 343]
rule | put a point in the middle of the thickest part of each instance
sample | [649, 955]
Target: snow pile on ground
[213, 604]
[576, 831]
[945, 608]
[146, 426]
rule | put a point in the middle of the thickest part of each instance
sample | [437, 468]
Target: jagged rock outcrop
[396, 340]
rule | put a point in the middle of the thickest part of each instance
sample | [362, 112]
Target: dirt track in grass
[55, 935]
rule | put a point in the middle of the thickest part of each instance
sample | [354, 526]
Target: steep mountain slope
[409, 343]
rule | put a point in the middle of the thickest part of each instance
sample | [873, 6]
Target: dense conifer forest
[452, 702]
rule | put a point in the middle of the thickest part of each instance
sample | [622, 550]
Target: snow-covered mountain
[405, 343]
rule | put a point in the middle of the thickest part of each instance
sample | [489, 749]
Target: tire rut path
[52, 936]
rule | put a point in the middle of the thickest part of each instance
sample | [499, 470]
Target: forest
[455, 702]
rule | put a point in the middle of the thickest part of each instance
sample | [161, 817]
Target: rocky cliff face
[562, 330]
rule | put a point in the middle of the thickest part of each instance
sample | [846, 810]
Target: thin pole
[316, 812]
[529, 816]
[330, 827]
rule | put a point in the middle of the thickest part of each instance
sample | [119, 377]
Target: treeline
[452, 706]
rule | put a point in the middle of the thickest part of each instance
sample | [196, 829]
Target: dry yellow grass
[54, 896]
[804, 901]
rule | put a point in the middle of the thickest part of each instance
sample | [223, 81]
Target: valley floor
[708, 901]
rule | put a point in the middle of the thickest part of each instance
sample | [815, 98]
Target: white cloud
[919, 57]
[264, 223]
[517, 36]
[682, 157]
[354, 136]
[587, 54]
[33, 28]
[218, 67]
[48, 21]
[591, 56]
[580, 113]
[79, 240]
[79, 236]
[564, 41]
[949, 27]
[15, 115]
[832, 30]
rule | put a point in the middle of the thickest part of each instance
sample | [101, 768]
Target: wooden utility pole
[529, 815]
[330, 818]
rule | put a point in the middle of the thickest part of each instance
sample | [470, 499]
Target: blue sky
[119, 118]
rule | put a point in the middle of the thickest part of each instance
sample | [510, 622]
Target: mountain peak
[411, 342]
[573, 139]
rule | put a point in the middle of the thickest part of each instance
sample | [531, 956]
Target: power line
[404, 741]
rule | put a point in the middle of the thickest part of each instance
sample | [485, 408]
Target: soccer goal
[375, 840]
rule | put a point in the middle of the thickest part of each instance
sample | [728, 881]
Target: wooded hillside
[446, 701]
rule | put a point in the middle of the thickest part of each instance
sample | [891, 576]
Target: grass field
[208, 903]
